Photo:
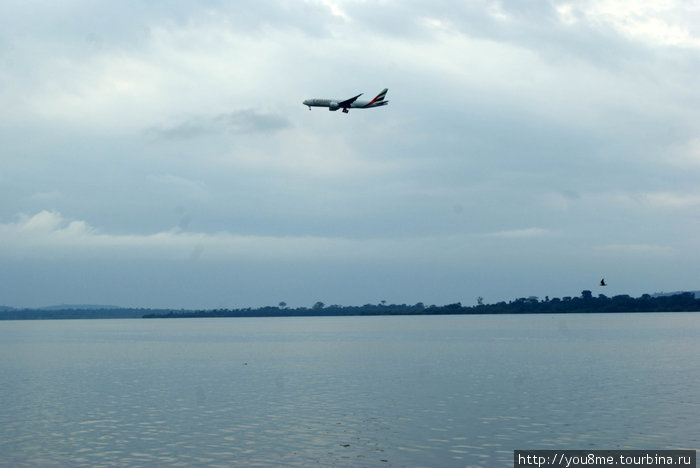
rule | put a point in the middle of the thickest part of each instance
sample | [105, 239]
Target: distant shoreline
[586, 303]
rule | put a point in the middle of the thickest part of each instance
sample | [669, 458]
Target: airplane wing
[348, 102]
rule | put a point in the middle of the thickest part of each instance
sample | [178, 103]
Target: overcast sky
[157, 154]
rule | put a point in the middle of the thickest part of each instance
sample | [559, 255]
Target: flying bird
[352, 103]
[602, 282]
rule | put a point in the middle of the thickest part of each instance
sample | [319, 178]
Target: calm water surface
[345, 391]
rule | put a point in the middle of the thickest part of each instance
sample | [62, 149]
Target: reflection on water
[344, 391]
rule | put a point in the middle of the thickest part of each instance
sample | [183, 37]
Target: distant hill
[54, 313]
[661, 294]
[80, 307]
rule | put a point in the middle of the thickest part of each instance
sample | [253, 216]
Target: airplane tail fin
[379, 99]
[380, 96]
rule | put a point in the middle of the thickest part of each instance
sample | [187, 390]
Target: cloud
[181, 185]
[181, 62]
[251, 121]
[42, 197]
[637, 249]
[656, 23]
[686, 153]
[336, 10]
[517, 132]
[673, 200]
[48, 233]
[658, 200]
[522, 233]
[245, 121]
[43, 227]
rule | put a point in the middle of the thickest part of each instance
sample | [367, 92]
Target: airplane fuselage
[345, 104]
[330, 103]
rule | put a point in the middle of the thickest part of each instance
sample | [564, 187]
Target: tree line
[585, 303]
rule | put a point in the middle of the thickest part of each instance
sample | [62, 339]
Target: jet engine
[333, 106]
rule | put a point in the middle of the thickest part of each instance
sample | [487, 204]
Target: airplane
[352, 103]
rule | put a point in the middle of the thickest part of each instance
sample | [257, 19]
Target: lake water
[345, 391]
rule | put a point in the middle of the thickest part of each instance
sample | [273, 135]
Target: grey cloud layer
[237, 122]
[551, 140]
